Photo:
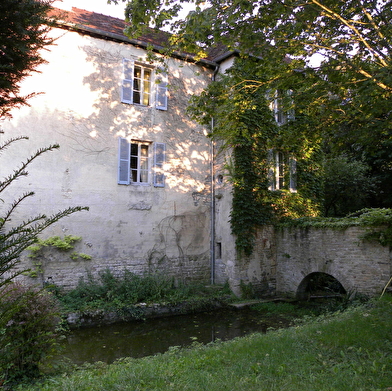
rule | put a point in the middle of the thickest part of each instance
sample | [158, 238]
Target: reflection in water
[144, 338]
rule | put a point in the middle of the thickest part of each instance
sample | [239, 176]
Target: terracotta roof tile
[92, 20]
[99, 23]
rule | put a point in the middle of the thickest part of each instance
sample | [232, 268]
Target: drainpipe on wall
[212, 172]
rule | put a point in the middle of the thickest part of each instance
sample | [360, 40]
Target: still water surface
[144, 338]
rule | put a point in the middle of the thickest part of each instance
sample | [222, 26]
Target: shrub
[28, 322]
[109, 292]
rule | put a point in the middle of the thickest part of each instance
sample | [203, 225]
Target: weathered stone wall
[360, 266]
[283, 258]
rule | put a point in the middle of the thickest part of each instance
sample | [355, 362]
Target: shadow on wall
[319, 284]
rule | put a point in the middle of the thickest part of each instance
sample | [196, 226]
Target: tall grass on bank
[344, 351]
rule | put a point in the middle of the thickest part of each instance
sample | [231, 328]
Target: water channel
[143, 338]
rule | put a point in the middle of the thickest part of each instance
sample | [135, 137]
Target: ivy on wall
[65, 244]
[239, 103]
[377, 223]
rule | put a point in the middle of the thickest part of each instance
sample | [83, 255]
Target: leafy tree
[30, 333]
[24, 31]
[355, 34]
[343, 101]
[347, 185]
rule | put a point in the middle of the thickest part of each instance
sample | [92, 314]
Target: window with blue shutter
[138, 86]
[134, 163]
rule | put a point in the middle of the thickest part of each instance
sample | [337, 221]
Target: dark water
[144, 338]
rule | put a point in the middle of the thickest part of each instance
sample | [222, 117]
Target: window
[135, 162]
[280, 100]
[139, 162]
[218, 250]
[143, 85]
[282, 173]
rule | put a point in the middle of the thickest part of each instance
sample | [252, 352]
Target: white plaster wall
[135, 227]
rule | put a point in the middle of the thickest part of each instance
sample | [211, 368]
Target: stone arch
[319, 283]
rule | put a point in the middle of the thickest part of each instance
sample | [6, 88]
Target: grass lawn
[342, 352]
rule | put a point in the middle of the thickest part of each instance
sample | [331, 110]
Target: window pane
[139, 162]
[146, 99]
[138, 72]
[134, 162]
[147, 74]
[144, 150]
[144, 176]
[134, 176]
[143, 164]
[281, 167]
[134, 149]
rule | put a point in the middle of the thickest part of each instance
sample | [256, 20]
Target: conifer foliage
[24, 31]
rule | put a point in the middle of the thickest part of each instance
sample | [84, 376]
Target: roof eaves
[137, 42]
[226, 55]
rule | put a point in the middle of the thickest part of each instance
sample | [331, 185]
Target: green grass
[345, 351]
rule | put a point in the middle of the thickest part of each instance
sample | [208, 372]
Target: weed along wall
[359, 265]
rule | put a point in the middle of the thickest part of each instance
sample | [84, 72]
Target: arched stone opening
[320, 285]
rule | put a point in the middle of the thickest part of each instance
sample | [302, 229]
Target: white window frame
[281, 117]
[131, 167]
[140, 155]
[152, 91]
[278, 164]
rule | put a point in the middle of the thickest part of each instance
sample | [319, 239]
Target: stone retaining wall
[360, 266]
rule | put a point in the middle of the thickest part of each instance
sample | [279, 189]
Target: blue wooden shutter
[159, 161]
[161, 91]
[124, 164]
[127, 83]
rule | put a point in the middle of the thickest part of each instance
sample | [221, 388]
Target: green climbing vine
[65, 244]
[377, 223]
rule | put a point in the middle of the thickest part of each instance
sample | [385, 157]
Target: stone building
[128, 151]
[156, 191]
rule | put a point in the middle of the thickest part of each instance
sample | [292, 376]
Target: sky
[99, 6]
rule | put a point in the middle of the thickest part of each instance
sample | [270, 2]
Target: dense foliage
[29, 333]
[24, 31]
[120, 293]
